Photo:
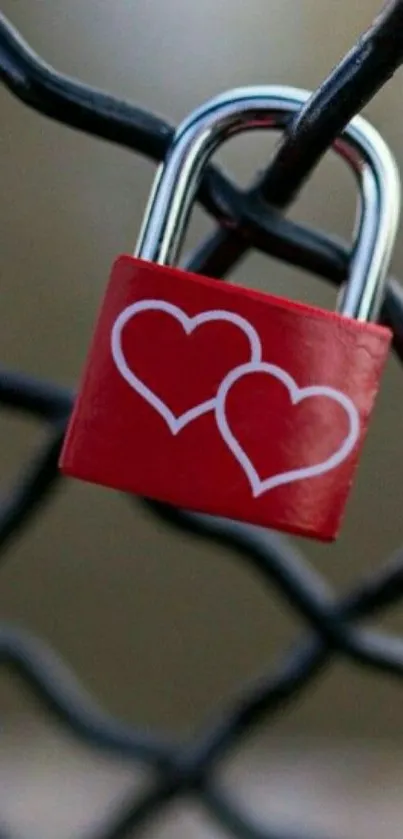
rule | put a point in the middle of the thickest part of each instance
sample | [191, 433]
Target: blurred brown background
[159, 627]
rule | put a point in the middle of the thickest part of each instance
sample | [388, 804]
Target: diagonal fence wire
[247, 219]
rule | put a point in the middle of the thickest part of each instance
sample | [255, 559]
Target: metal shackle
[270, 107]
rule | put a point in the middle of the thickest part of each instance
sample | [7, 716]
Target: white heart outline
[189, 324]
[297, 394]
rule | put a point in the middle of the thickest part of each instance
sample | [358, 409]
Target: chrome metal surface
[269, 107]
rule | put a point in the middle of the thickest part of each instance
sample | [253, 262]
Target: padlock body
[224, 400]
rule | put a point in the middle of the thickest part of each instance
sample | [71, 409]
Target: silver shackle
[270, 107]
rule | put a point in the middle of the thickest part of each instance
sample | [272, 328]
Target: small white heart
[260, 486]
[189, 324]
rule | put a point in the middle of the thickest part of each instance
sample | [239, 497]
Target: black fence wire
[247, 219]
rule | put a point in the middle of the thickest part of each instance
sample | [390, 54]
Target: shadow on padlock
[225, 400]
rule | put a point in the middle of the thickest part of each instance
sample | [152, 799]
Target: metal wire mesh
[247, 219]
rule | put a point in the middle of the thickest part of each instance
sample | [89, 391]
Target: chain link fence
[251, 218]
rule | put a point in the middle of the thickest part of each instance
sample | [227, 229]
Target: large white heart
[189, 324]
[297, 394]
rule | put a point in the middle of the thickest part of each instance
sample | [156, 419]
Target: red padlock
[225, 400]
